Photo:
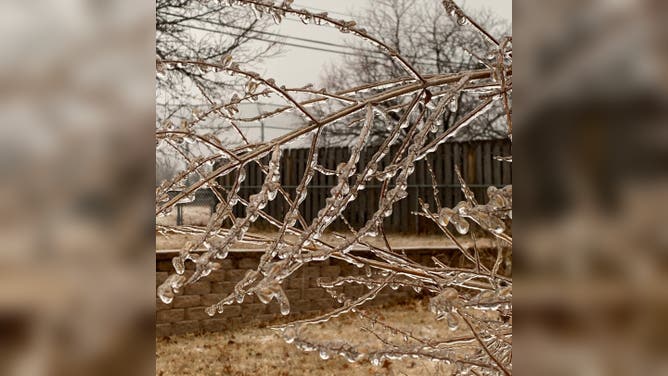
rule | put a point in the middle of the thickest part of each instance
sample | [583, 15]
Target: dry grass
[260, 351]
[192, 215]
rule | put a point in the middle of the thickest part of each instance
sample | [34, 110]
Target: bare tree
[475, 296]
[165, 166]
[431, 41]
[208, 31]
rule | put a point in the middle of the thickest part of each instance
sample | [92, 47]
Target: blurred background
[591, 179]
[76, 187]
[77, 116]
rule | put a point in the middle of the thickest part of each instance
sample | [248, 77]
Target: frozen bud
[176, 281]
[401, 194]
[490, 223]
[179, 264]
[165, 293]
[449, 294]
[202, 260]
[444, 216]
[461, 224]
[444, 303]
[453, 321]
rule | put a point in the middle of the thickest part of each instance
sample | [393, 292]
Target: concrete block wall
[186, 313]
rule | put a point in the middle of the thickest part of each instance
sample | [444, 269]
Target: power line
[282, 35]
[378, 54]
[286, 36]
[277, 42]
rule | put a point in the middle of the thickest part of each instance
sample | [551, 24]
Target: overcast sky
[299, 66]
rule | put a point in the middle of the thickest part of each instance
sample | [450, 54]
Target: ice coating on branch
[165, 293]
[447, 301]
[454, 11]
[397, 123]
[267, 291]
[171, 286]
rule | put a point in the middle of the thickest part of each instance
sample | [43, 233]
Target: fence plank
[496, 151]
[457, 161]
[475, 160]
[487, 178]
[507, 167]
[479, 192]
[438, 171]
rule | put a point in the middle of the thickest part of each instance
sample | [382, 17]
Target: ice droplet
[165, 293]
[242, 175]
[375, 359]
[461, 224]
[444, 216]
[453, 321]
[285, 308]
[461, 20]
[179, 265]
[453, 105]
[306, 19]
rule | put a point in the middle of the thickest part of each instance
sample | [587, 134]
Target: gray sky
[298, 66]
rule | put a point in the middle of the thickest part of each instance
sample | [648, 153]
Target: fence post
[179, 214]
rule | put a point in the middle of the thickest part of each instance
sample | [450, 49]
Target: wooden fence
[475, 159]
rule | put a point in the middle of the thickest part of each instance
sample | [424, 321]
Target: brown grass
[192, 215]
[260, 351]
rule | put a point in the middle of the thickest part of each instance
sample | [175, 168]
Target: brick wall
[186, 313]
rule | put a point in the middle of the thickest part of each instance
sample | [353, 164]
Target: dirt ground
[260, 351]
